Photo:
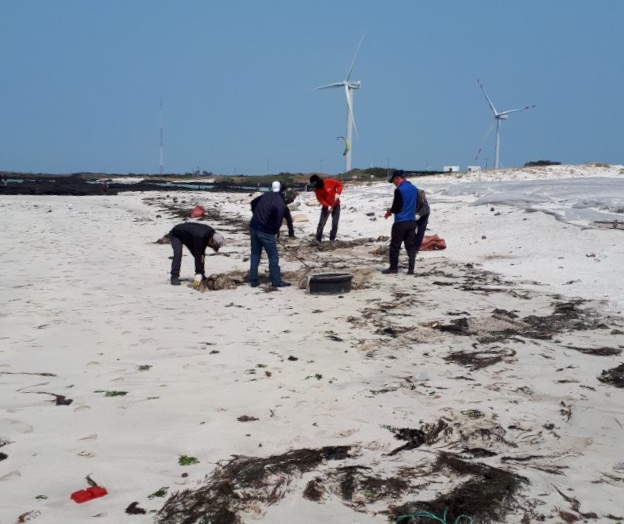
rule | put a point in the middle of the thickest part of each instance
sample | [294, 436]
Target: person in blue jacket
[406, 229]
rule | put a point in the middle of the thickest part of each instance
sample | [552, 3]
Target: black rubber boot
[175, 281]
[394, 265]
[411, 265]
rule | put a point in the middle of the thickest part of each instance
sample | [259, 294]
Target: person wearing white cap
[268, 212]
[276, 187]
[196, 237]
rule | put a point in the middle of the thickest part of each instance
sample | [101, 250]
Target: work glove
[198, 280]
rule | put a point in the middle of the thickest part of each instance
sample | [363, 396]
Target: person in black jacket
[196, 237]
[281, 188]
[268, 212]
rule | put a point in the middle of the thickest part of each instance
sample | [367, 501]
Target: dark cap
[394, 173]
[317, 182]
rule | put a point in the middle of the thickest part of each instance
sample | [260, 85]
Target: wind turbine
[349, 87]
[161, 165]
[498, 118]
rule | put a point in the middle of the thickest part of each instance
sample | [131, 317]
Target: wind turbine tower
[499, 117]
[349, 87]
[161, 167]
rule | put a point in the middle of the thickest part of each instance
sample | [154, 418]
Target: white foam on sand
[86, 309]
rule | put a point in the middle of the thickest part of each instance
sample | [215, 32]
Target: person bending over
[196, 237]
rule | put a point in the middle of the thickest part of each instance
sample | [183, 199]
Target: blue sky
[82, 82]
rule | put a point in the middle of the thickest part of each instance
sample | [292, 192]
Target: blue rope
[434, 517]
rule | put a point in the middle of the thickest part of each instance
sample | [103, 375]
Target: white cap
[276, 186]
[218, 240]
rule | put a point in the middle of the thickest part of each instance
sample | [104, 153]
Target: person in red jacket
[327, 192]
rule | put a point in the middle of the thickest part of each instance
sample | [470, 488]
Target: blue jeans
[260, 240]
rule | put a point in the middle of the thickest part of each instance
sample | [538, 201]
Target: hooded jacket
[268, 212]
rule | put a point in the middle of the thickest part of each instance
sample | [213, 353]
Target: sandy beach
[487, 384]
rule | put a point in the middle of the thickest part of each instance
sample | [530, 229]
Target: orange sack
[198, 212]
[432, 243]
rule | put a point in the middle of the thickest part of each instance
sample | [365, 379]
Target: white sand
[85, 296]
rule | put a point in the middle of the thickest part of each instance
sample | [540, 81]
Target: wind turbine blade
[516, 110]
[350, 106]
[487, 98]
[355, 56]
[487, 135]
[336, 84]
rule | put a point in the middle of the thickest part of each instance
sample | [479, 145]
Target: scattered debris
[480, 359]
[614, 376]
[428, 434]
[458, 326]
[185, 460]
[159, 494]
[93, 492]
[610, 224]
[246, 418]
[601, 351]
[59, 400]
[26, 373]
[90, 481]
[473, 453]
[112, 393]
[217, 282]
[135, 509]
[28, 516]
[314, 490]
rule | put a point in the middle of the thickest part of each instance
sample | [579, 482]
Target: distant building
[474, 168]
[451, 169]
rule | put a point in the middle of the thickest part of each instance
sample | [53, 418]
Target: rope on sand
[428, 515]
[291, 253]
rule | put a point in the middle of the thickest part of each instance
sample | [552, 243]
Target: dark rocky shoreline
[83, 184]
[76, 185]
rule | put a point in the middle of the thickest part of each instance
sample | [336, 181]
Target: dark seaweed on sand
[487, 496]
[414, 438]
[614, 376]
[241, 481]
[479, 359]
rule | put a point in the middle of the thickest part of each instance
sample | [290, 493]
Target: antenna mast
[161, 166]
